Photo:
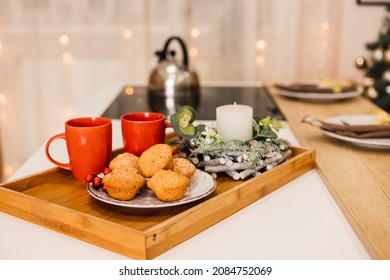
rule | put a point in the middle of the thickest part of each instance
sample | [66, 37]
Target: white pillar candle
[234, 122]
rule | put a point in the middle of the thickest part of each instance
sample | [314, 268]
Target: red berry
[104, 188]
[97, 182]
[106, 170]
[89, 177]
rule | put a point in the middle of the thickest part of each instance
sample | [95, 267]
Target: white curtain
[54, 54]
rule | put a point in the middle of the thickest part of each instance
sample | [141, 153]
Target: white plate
[376, 143]
[318, 97]
[201, 185]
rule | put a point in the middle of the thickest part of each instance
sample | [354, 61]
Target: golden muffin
[124, 160]
[154, 159]
[184, 166]
[123, 183]
[168, 185]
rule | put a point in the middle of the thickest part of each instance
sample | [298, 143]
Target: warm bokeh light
[260, 60]
[195, 32]
[64, 39]
[3, 99]
[3, 116]
[68, 112]
[193, 51]
[8, 171]
[325, 25]
[67, 57]
[1, 46]
[127, 33]
[129, 90]
[260, 44]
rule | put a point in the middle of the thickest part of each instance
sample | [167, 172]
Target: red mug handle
[175, 150]
[66, 166]
[168, 124]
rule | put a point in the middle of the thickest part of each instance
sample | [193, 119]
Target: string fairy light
[127, 33]
[193, 52]
[8, 170]
[3, 99]
[129, 90]
[67, 57]
[195, 32]
[325, 25]
[68, 112]
[260, 44]
[260, 60]
[64, 39]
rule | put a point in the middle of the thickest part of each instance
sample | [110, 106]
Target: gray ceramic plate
[201, 185]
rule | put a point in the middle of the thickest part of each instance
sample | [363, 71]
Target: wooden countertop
[358, 178]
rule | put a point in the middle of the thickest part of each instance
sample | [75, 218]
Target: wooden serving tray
[54, 199]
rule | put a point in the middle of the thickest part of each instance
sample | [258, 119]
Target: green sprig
[266, 128]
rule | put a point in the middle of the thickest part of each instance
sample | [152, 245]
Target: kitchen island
[301, 220]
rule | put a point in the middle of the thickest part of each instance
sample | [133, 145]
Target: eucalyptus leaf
[266, 121]
[256, 127]
[182, 122]
[267, 133]
[201, 128]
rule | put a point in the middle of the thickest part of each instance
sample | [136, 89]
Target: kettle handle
[163, 54]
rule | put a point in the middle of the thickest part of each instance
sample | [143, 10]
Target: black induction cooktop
[132, 99]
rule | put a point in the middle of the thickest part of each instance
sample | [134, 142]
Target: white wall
[359, 25]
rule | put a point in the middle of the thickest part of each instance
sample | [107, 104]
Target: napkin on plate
[355, 131]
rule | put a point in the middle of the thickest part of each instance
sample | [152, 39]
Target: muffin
[123, 183]
[124, 160]
[184, 166]
[168, 185]
[154, 159]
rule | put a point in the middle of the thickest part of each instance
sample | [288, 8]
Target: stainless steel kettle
[173, 84]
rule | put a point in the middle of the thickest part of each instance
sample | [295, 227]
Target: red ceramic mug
[89, 146]
[142, 130]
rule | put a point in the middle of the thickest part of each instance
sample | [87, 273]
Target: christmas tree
[376, 82]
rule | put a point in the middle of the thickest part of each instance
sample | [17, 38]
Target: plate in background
[311, 91]
[374, 143]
